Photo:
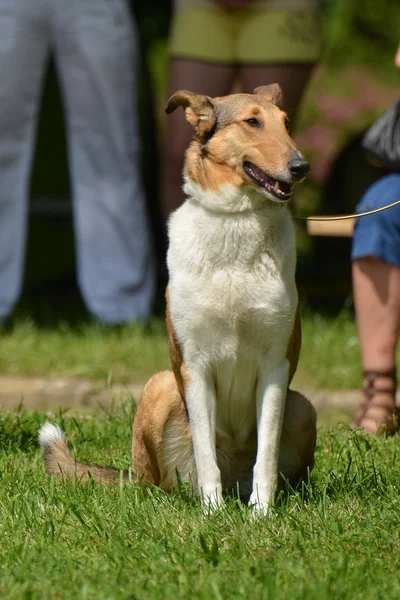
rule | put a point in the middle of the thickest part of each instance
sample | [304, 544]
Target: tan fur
[161, 405]
[162, 438]
[159, 400]
[199, 110]
[175, 352]
[59, 462]
[220, 161]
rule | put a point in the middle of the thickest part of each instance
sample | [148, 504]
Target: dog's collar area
[279, 189]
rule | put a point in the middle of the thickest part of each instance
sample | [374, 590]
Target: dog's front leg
[271, 398]
[201, 404]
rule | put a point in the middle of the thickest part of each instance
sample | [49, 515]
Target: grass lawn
[329, 359]
[338, 537]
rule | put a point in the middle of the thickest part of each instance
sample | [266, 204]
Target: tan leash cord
[339, 226]
[343, 217]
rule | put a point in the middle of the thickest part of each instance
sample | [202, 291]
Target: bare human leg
[377, 302]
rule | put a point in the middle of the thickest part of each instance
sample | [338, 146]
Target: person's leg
[376, 285]
[377, 302]
[203, 78]
[95, 43]
[23, 50]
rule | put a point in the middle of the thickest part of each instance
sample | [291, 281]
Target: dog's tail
[59, 461]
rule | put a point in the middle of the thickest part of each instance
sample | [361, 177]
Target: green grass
[330, 355]
[329, 359]
[90, 350]
[338, 537]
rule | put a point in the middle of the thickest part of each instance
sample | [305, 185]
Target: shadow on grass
[49, 305]
[59, 302]
[19, 431]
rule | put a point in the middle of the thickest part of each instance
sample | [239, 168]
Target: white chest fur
[232, 298]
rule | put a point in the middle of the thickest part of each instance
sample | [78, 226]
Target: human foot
[378, 412]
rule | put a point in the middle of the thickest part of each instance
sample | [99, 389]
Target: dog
[224, 417]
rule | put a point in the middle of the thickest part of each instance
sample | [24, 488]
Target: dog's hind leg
[162, 439]
[299, 434]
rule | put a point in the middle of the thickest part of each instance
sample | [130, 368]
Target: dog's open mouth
[279, 189]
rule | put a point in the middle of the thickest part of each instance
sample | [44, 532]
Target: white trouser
[94, 43]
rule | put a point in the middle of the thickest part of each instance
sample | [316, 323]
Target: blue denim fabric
[379, 235]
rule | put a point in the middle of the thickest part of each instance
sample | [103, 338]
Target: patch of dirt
[46, 394]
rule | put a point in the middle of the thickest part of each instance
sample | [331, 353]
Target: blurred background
[51, 334]
[354, 83]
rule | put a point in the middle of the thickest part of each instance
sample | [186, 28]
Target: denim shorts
[379, 235]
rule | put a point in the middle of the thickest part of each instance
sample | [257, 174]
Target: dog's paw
[260, 509]
[211, 498]
[261, 500]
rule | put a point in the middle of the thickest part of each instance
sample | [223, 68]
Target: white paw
[258, 508]
[211, 498]
[261, 500]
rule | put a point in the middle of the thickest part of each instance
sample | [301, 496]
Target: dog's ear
[199, 110]
[272, 92]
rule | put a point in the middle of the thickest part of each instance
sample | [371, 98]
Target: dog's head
[242, 140]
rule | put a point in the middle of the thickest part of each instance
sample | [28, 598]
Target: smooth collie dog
[224, 417]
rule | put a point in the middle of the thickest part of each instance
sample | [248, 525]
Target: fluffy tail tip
[49, 434]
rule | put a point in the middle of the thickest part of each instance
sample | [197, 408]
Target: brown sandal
[378, 412]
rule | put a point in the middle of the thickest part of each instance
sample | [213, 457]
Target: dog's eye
[287, 124]
[253, 122]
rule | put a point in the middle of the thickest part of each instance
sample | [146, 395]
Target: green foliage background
[361, 32]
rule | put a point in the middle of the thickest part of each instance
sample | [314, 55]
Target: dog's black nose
[298, 167]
